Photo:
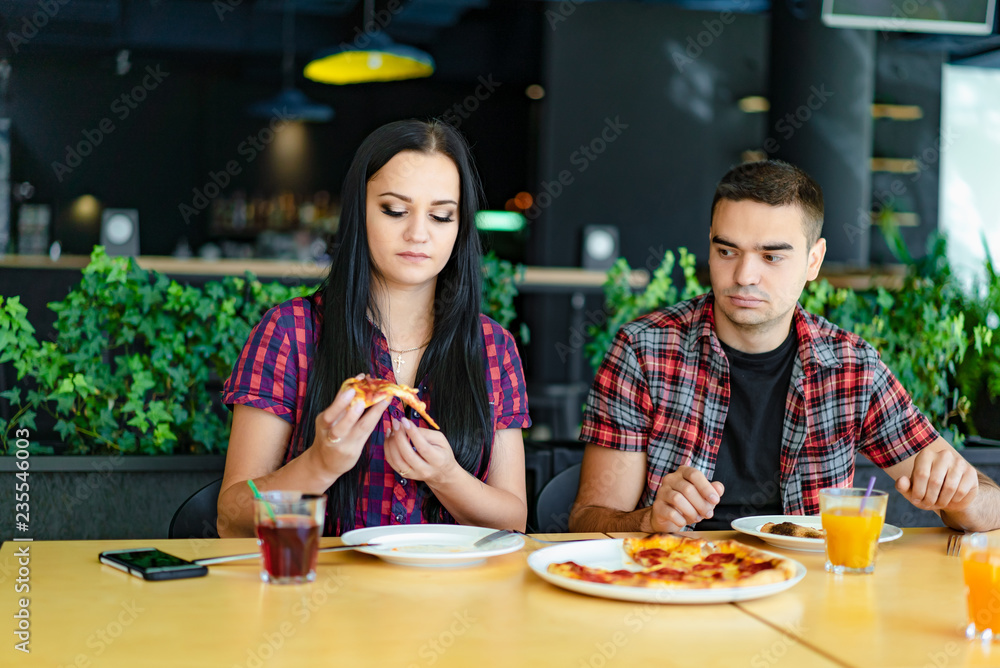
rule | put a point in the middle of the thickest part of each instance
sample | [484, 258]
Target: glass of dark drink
[288, 528]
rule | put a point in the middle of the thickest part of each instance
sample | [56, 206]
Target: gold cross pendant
[398, 362]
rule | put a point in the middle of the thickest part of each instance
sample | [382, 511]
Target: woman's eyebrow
[438, 202]
[397, 196]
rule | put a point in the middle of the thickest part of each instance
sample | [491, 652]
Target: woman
[401, 302]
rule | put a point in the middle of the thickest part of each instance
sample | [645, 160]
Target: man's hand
[941, 480]
[684, 497]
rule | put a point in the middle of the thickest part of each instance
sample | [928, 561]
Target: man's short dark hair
[775, 183]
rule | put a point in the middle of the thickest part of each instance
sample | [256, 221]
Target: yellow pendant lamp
[378, 59]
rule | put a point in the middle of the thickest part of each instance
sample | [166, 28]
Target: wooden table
[364, 612]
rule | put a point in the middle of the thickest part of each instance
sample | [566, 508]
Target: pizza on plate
[373, 390]
[677, 562]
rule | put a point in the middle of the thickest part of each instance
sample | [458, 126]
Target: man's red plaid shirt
[663, 389]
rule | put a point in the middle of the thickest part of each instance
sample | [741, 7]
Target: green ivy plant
[979, 374]
[500, 281]
[622, 304]
[133, 355]
[137, 357]
[922, 332]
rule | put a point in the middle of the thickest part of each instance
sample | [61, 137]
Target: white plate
[609, 554]
[751, 526]
[431, 544]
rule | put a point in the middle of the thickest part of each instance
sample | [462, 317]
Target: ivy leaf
[27, 420]
[12, 395]
[64, 403]
[163, 434]
[37, 448]
[139, 421]
[158, 413]
[65, 429]
[127, 442]
[106, 419]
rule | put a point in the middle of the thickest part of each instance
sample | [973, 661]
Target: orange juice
[851, 537]
[982, 581]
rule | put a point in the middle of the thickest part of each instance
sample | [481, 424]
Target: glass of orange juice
[981, 567]
[853, 525]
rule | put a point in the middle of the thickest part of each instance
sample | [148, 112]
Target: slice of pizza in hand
[373, 390]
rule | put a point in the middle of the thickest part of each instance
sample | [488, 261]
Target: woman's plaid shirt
[272, 373]
[663, 389]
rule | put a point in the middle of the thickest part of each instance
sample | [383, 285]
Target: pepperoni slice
[720, 558]
[653, 555]
[671, 574]
[749, 568]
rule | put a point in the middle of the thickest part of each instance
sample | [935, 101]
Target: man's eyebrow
[779, 246]
[722, 242]
[438, 202]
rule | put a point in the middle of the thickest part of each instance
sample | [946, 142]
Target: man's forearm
[598, 518]
[984, 512]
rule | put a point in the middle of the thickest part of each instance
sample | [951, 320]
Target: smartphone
[149, 563]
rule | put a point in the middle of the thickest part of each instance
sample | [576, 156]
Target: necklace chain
[408, 350]
[398, 361]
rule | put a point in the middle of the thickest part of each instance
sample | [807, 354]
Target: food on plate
[676, 562]
[373, 390]
[792, 529]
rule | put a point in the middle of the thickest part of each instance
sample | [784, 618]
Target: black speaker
[600, 246]
[120, 231]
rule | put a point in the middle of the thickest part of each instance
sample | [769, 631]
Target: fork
[496, 535]
[954, 546]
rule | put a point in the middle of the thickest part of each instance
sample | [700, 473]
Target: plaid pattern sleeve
[619, 406]
[504, 377]
[272, 369]
[894, 429]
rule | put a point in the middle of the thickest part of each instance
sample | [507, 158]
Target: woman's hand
[343, 429]
[420, 454]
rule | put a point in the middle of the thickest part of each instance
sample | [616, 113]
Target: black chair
[196, 517]
[556, 500]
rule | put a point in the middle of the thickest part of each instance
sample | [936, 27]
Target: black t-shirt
[749, 456]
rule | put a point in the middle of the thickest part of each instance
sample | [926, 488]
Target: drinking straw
[270, 511]
[868, 492]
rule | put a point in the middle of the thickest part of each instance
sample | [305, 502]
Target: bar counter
[541, 279]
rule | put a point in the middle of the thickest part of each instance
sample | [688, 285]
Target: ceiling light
[290, 104]
[380, 60]
[754, 104]
[535, 92]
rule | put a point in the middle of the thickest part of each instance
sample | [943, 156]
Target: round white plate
[751, 526]
[609, 554]
[440, 545]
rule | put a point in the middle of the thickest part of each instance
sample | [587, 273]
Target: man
[741, 403]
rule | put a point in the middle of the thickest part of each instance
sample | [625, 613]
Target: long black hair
[452, 362]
